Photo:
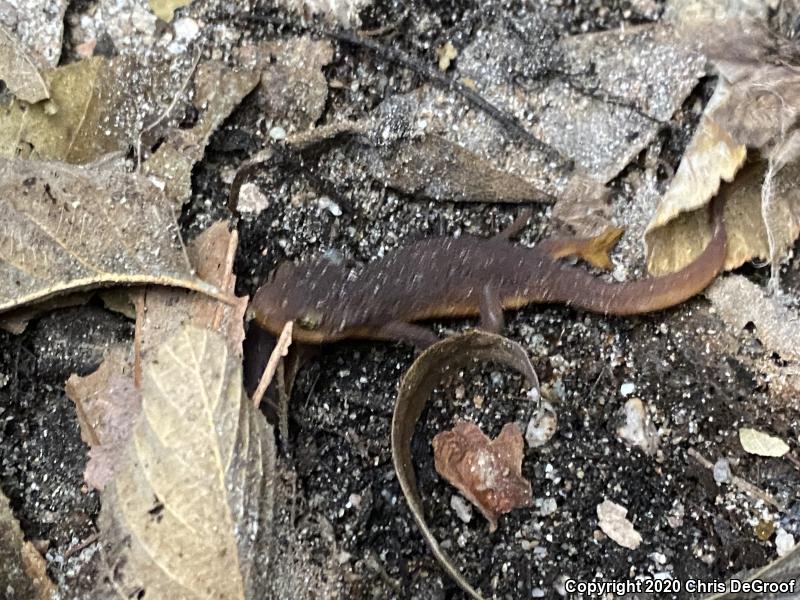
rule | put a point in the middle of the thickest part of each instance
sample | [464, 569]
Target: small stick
[81, 545]
[744, 486]
[138, 302]
[281, 349]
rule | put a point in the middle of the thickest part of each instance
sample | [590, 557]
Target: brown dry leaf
[165, 9]
[188, 513]
[67, 228]
[212, 254]
[488, 472]
[218, 90]
[89, 114]
[612, 520]
[22, 568]
[755, 105]
[18, 71]
[107, 404]
[293, 88]
[434, 365]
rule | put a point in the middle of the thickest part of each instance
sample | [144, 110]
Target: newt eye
[310, 320]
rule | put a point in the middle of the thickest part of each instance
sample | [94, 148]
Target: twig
[81, 545]
[506, 120]
[281, 349]
[744, 486]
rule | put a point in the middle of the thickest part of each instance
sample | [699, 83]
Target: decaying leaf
[626, 84]
[293, 88]
[39, 28]
[22, 568]
[218, 90]
[165, 9]
[436, 364]
[185, 516]
[488, 472]
[67, 228]
[211, 254]
[739, 301]
[89, 114]
[782, 570]
[762, 444]
[18, 71]
[612, 520]
[107, 404]
[755, 105]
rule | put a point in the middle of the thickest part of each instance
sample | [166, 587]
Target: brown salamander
[465, 276]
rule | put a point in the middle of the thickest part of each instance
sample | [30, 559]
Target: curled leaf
[431, 367]
[185, 516]
[488, 472]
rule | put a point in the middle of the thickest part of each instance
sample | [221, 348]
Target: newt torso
[451, 277]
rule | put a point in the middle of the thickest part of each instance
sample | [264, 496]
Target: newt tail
[466, 276]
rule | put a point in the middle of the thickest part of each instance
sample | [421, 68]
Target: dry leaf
[39, 28]
[488, 472]
[739, 301]
[437, 143]
[218, 90]
[211, 254]
[18, 71]
[434, 365]
[762, 444]
[22, 568]
[755, 105]
[67, 228]
[185, 516]
[107, 404]
[89, 114]
[293, 88]
[165, 9]
[612, 520]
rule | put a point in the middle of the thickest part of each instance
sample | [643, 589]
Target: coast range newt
[466, 276]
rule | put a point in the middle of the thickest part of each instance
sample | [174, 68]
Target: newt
[439, 278]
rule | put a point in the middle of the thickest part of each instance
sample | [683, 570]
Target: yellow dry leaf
[89, 114]
[188, 513]
[165, 9]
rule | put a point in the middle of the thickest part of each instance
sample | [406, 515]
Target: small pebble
[627, 388]
[638, 430]
[462, 508]
[784, 542]
[722, 471]
[277, 133]
[186, 29]
[542, 426]
[326, 203]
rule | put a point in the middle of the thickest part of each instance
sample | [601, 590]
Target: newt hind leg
[593, 250]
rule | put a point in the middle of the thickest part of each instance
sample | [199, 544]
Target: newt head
[299, 293]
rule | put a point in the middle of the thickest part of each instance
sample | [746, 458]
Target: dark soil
[695, 376]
